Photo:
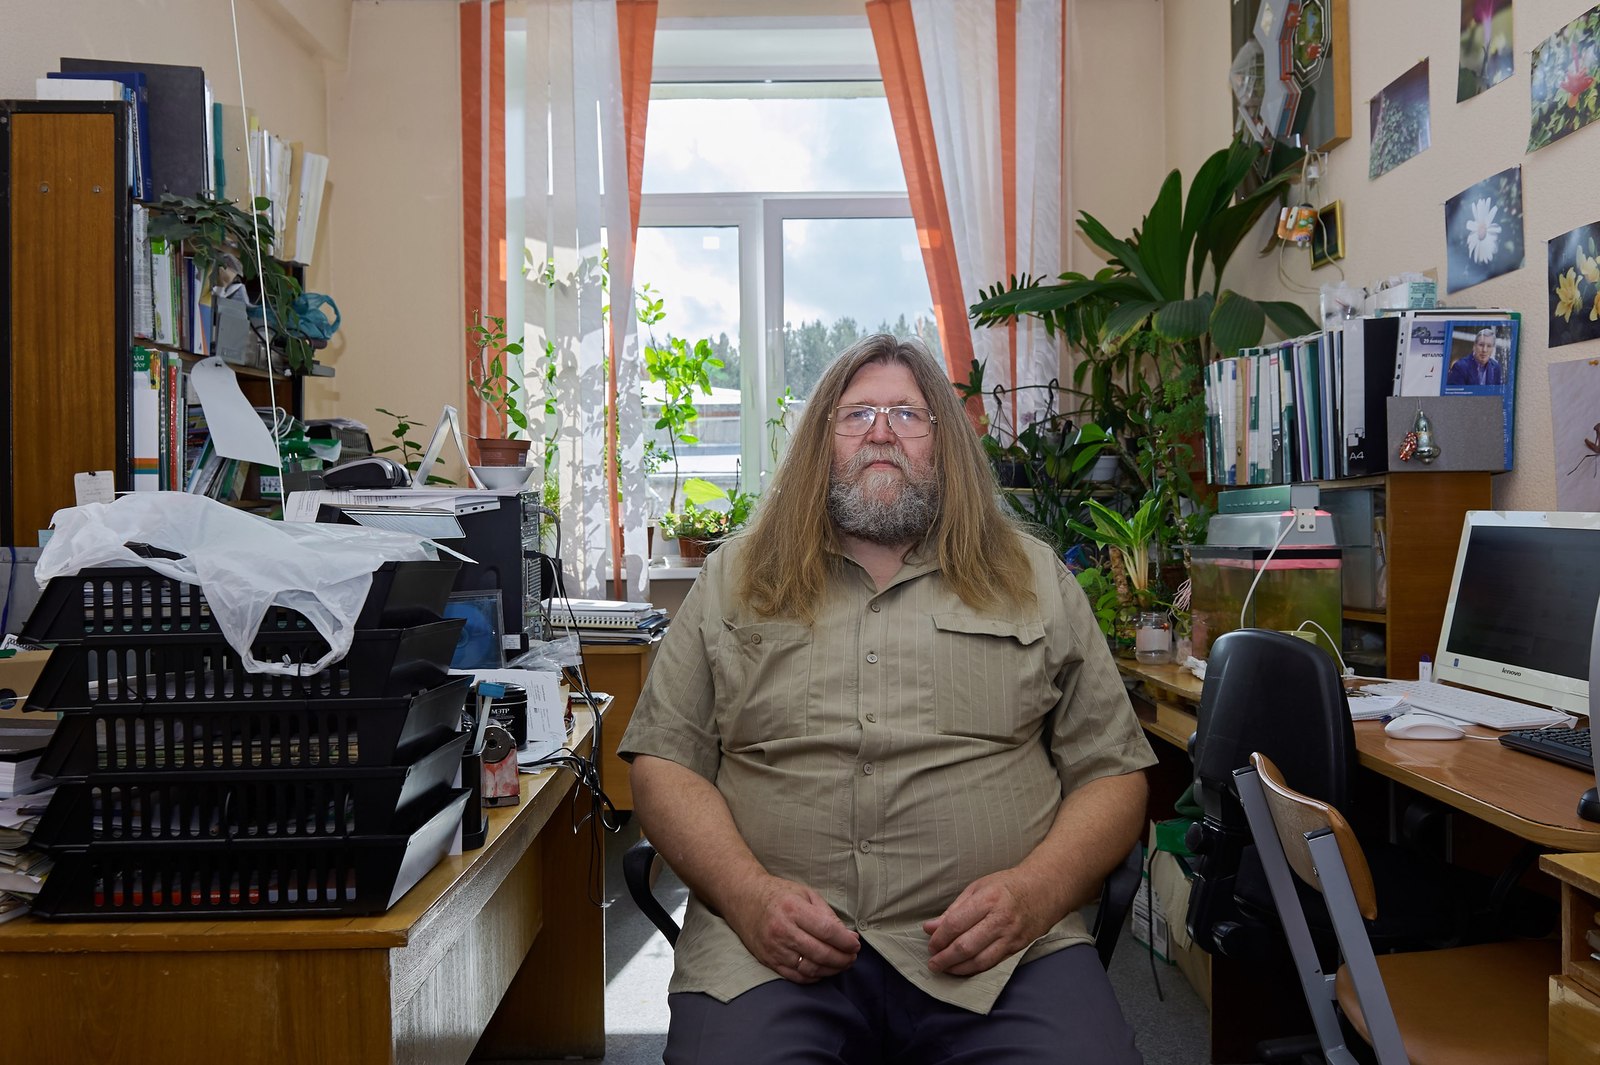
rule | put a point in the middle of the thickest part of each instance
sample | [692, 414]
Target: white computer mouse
[1420, 726]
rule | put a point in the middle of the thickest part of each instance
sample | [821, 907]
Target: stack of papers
[22, 868]
[1366, 705]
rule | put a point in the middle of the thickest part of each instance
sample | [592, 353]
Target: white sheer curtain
[958, 41]
[576, 215]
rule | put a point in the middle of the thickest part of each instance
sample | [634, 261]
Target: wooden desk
[1534, 799]
[501, 942]
[619, 670]
[1575, 991]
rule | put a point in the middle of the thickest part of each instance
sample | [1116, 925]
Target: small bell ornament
[1419, 441]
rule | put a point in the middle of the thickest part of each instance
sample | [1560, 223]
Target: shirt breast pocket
[991, 677]
[762, 672]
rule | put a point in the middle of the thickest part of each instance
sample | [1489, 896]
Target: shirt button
[876, 608]
[755, 638]
[872, 656]
[865, 846]
[867, 769]
[872, 719]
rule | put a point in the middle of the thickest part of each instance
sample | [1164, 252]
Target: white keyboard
[1463, 704]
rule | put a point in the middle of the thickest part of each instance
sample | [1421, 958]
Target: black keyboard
[1569, 746]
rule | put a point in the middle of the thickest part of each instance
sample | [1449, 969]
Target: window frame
[758, 218]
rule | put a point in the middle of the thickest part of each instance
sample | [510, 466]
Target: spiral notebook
[598, 613]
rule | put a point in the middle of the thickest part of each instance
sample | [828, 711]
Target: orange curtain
[636, 38]
[483, 178]
[895, 39]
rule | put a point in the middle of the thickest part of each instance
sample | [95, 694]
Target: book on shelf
[179, 115]
[127, 86]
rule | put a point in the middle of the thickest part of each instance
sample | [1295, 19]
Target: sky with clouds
[868, 269]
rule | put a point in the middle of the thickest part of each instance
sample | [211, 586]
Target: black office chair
[1269, 692]
[1116, 896]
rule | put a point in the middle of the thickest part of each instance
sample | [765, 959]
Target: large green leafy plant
[1151, 319]
[1166, 276]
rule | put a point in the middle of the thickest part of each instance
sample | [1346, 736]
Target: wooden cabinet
[618, 670]
[1417, 518]
[64, 302]
[1575, 991]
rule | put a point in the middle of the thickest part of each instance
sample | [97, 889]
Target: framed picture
[1291, 70]
[480, 645]
[1327, 236]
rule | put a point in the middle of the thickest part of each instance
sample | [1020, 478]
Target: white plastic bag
[244, 563]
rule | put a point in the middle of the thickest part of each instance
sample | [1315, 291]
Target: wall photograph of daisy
[1574, 271]
[1483, 230]
[1486, 58]
[1563, 91]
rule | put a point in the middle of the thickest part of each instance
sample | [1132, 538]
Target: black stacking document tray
[189, 786]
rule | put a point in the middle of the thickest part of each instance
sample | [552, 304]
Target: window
[774, 222]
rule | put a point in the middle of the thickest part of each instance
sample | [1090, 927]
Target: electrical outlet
[1305, 519]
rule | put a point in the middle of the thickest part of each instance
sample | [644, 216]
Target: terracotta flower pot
[494, 451]
[692, 550]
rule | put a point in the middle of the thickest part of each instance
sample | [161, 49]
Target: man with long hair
[886, 747]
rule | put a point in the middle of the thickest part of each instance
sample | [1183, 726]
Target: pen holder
[474, 827]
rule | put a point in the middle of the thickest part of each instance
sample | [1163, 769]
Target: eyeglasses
[908, 423]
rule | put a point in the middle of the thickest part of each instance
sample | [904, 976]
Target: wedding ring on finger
[799, 960]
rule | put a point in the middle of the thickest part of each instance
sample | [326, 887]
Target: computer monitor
[1521, 615]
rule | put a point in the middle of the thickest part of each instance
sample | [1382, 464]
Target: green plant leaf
[1290, 319]
[1122, 251]
[1126, 318]
[1184, 319]
[699, 491]
[1236, 323]
[1161, 246]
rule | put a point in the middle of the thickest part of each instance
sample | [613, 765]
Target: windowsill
[674, 570]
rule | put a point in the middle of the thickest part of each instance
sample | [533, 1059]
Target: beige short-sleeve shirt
[887, 755]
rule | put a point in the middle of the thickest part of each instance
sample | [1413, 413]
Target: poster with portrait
[1562, 81]
[1401, 127]
[1574, 285]
[1483, 230]
[1486, 58]
[1575, 426]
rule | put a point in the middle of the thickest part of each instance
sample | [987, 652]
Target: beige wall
[395, 122]
[1115, 122]
[1397, 222]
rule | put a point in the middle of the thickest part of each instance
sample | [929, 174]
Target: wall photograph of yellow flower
[1574, 278]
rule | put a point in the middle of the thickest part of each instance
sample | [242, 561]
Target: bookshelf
[67, 301]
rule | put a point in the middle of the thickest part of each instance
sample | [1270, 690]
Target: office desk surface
[1524, 795]
[500, 943]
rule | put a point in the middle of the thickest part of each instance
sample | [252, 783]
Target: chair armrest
[1116, 897]
[637, 864]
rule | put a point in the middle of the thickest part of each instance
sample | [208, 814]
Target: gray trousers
[1059, 1008]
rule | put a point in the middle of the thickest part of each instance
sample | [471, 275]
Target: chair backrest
[1299, 836]
[1269, 692]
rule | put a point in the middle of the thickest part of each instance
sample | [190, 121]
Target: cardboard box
[1172, 881]
[18, 673]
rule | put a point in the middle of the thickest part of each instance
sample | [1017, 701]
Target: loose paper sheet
[1575, 424]
[237, 431]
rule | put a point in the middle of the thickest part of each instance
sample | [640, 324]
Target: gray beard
[864, 514]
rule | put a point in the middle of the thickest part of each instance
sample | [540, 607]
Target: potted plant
[709, 514]
[1127, 541]
[490, 379]
[1148, 323]
[218, 232]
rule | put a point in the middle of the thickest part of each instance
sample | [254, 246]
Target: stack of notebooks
[605, 620]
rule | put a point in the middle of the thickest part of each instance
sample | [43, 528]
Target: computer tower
[502, 543]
